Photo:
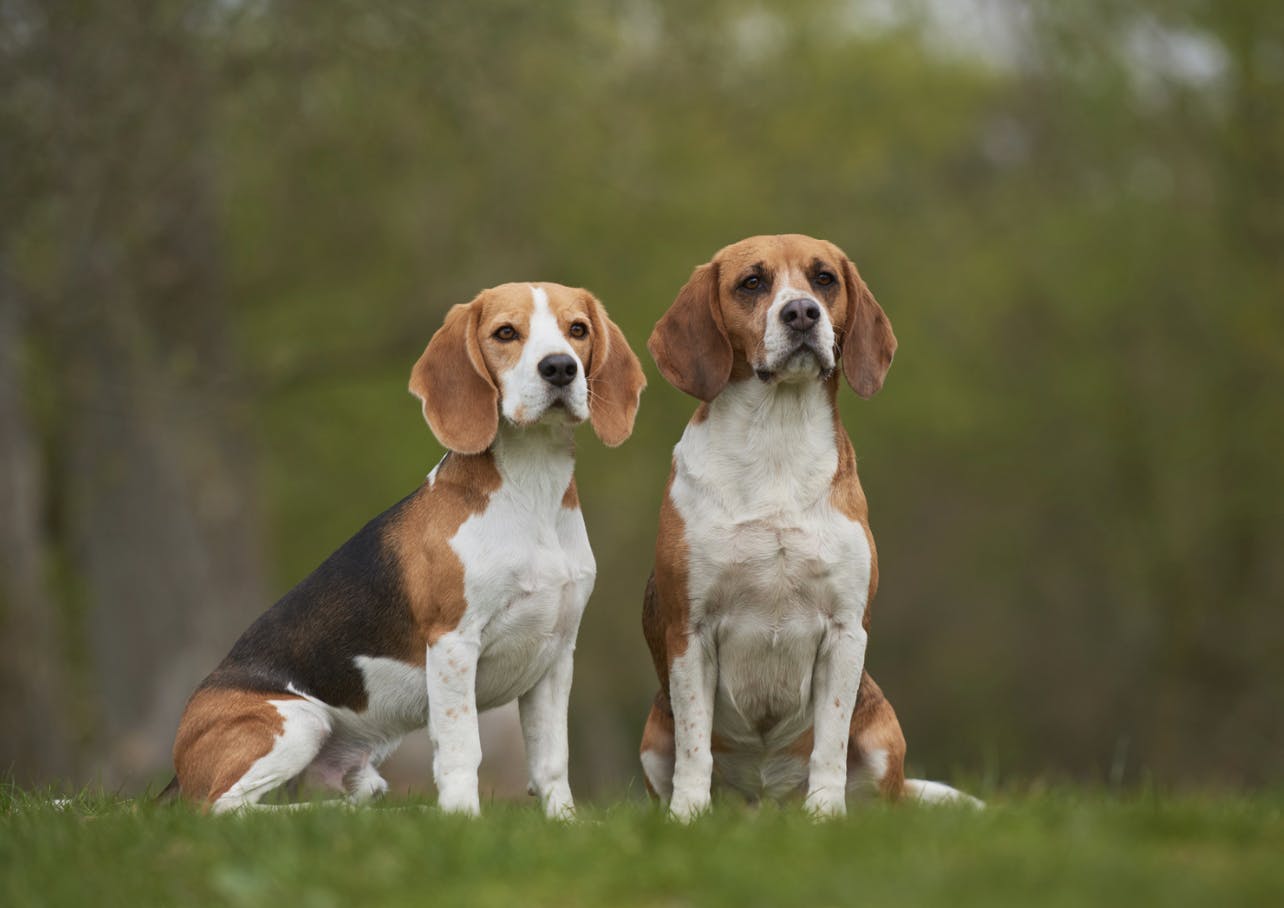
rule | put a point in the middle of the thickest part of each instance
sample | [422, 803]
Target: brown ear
[690, 343]
[615, 379]
[868, 342]
[461, 403]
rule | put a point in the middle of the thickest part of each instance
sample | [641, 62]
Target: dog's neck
[762, 441]
[535, 462]
[532, 465]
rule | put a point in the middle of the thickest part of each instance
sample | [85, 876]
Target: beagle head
[784, 308]
[529, 353]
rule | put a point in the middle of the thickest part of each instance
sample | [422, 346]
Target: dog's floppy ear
[615, 378]
[690, 343]
[868, 342]
[461, 403]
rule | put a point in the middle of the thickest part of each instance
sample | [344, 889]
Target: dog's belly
[780, 586]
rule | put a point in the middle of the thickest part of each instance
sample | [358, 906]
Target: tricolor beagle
[465, 595]
[758, 609]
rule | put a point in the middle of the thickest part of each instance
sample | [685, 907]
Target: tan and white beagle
[465, 595]
[757, 613]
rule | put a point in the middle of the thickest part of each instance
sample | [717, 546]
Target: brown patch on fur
[689, 342]
[848, 497]
[432, 572]
[571, 497]
[714, 331]
[460, 398]
[457, 377]
[875, 727]
[657, 734]
[868, 343]
[700, 415]
[666, 609]
[615, 377]
[222, 734]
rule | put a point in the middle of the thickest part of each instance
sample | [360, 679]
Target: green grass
[1042, 849]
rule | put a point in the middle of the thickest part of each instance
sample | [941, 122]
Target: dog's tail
[939, 793]
[169, 793]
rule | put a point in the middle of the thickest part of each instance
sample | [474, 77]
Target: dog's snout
[558, 369]
[800, 314]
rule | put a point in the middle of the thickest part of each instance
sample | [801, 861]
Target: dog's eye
[752, 282]
[505, 333]
[579, 329]
[824, 279]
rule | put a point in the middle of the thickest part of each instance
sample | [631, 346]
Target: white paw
[827, 803]
[558, 805]
[686, 806]
[367, 786]
[459, 799]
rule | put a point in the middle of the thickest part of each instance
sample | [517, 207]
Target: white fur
[659, 772]
[778, 581]
[939, 793]
[306, 729]
[780, 341]
[518, 634]
[526, 396]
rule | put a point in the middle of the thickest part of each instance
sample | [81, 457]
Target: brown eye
[824, 279]
[505, 333]
[578, 330]
[752, 282]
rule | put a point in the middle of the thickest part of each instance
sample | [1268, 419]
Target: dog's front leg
[452, 722]
[834, 685]
[693, 678]
[543, 712]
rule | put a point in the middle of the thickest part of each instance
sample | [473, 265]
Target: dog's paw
[686, 806]
[826, 803]
[461, 800]
[559, 806]
[367, 786]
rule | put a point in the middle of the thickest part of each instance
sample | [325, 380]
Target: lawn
[1060, 848]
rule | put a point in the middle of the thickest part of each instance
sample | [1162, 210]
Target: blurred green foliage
[1073, 216]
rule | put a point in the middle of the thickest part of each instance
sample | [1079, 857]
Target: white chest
[772, 565]
[527, 577]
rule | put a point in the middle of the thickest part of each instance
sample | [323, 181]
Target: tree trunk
[33, 745]
[158, 522]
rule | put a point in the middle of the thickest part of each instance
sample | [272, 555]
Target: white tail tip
[939, 793]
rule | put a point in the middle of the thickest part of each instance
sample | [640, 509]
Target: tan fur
[460, 400]
[875, 727]
[432, 572]
[848, 497]
[712, 334]
[868, 342]
[222, 734]
[666, 610]
[690, 343]
[615, 378]
[657, 734]
[571, 497]
[457, 375]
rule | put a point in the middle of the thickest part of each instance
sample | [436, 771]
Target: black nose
[800, 315]
[558, 369]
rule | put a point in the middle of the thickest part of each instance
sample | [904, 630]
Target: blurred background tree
[229, 227]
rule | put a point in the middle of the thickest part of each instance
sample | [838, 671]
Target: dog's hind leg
[876, 754]
[363, 784]
[657, 752]
[876, 745]
[235, 746]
